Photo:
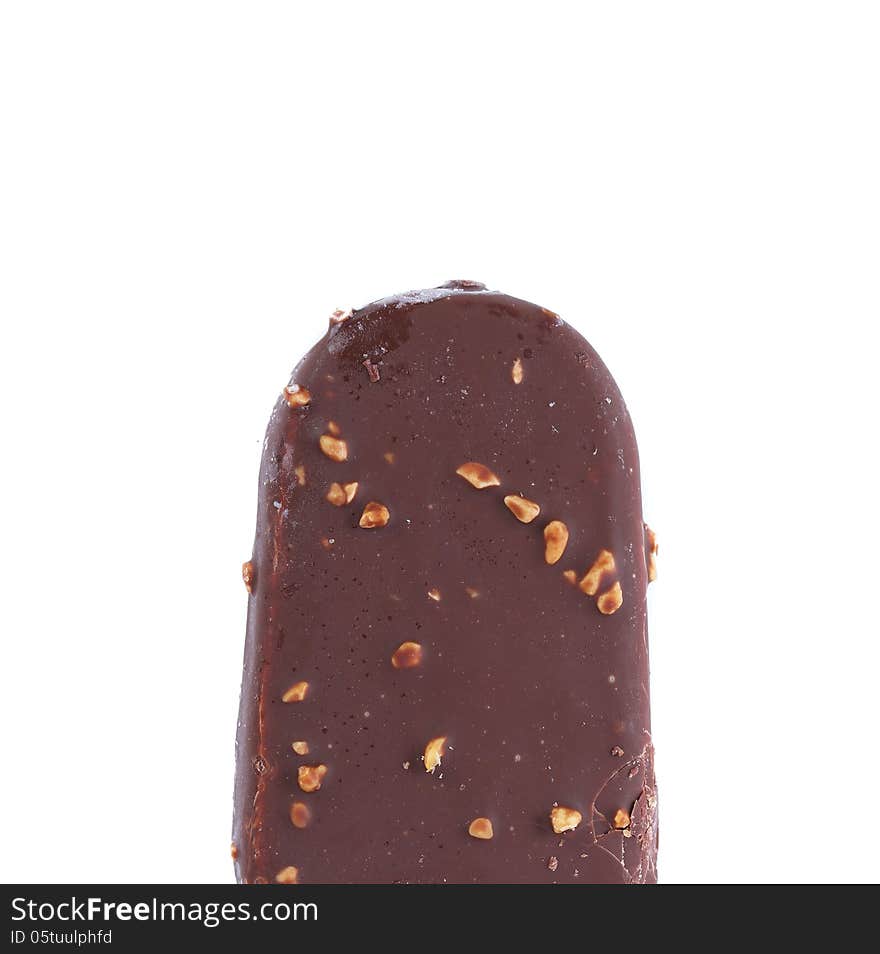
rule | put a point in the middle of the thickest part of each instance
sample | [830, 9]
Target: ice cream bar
[446, 664]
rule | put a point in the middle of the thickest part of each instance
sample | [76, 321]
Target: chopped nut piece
[335, 495]
[297, 396]
[247, 574]
[617, 752]
[621, 819]
[334, 428]
[340, 315]
[296, 693]
[652, 554]
[611, 600]
[434, 751]
[389, 457]
[552, 862]
[604, 564]
[234, 851]
[372, 371]
[326, 542]
[555, 541]
[333, 447]
[310, 777]
[407, 656]
[524, 510]
[471, 592]
[570, 575]
[516, 372]
[301, 748]
[481, 828]
[341, 494]
[564, 819]
[287, 875]
[300, 815]
[478, 475]
[300, 473]
[434, 594]
[375, 515]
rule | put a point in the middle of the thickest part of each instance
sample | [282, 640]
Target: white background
[188, 189]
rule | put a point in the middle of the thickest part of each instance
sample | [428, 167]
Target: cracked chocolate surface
[541, 697]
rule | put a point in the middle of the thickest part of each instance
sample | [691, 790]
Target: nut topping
[341, 494]
[296, 693]
[570, 575]
[375, 515]
[524, 510]
[301, 748]
[288, 875]
[564, 819]
[611, 600]
[621, 819]
[617, 752]
[516, 372]
[334, 428]
[478, 475]
[407, 656]
[389, 457]
[434, 751]
[247, 574]
[434, 594]
[300, 473]
[481, 828]
[340, 315]
[333, 447]
[310, 777]
[652, 554]
[604, 564]
[300, 815]
[372, 370]
[297, 396]
[555, 541]
[335, 495]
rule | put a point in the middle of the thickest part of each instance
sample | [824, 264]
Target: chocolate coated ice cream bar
[446, 666]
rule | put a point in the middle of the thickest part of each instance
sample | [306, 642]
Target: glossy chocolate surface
[541, 697]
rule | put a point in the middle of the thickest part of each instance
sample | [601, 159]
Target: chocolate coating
[542, 697]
